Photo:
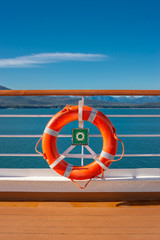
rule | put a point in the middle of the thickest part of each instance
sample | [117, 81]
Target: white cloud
[42, 58]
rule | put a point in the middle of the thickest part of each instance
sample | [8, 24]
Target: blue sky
[80, 44]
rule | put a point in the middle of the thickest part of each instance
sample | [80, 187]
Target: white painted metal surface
[75, 155]
[49, 116]
[90, 135]
[47, 180]
[81, 125]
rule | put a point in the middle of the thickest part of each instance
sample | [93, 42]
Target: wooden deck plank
[106, 221]
[83, 224]
[79, 230]
[79, 208]
[94, 221]
[80, 237]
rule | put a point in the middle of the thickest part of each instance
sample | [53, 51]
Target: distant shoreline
[58, 102]
[99, 107]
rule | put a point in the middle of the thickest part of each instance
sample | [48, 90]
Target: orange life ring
[56, 161]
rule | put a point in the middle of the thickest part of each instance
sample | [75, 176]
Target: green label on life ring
[80, 136]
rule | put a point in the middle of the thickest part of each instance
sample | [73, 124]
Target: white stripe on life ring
[92, 115]
[100, 163]
[51, 132]
[107, 155]
[68, 170]
[58, 160]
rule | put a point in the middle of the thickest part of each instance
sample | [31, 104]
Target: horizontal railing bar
[79, 156]
[19, 155]
[38, 155]
[119, 115]
[139, 155]
[24, 115]
[139, 135]
[20, 136]
[133, 115]
[91, 135]
[79, 92]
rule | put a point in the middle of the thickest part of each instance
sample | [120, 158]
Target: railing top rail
[79, 92]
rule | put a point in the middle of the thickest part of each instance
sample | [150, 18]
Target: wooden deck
[80, 220]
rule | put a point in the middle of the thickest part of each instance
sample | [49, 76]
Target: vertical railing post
[82, 159]
[81, 124]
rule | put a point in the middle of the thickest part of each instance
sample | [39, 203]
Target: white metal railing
[69, 136]
[74, 155]
[44, 115]
[82, 155]
[80, 93]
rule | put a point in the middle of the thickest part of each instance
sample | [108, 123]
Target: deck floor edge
[78, 196]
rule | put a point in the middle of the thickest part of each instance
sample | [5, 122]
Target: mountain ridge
[61, 101]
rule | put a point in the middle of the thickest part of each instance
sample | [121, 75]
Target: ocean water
[125, 125]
